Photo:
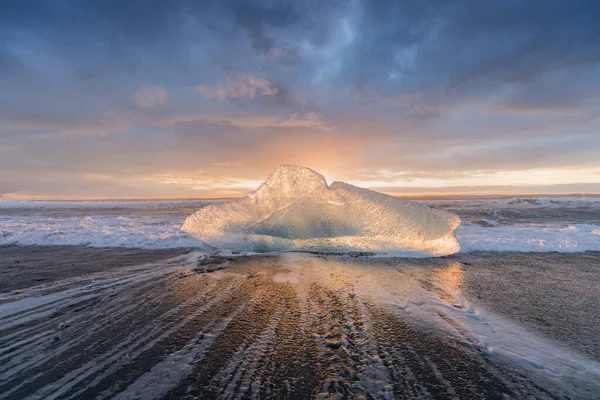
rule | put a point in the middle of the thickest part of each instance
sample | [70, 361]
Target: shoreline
[290, 322]
[555, 294]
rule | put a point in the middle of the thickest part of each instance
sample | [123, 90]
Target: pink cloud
[279, 54]
[239, 85]
[150, 97]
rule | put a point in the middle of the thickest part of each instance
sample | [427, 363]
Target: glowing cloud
[239, 85]
[150, 97]
[308, 120]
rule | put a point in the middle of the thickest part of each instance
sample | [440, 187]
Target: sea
[528, 224]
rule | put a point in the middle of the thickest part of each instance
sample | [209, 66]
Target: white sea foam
[538, 224]
[97, 231]
[559, 238]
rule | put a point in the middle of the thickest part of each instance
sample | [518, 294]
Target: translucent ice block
[295, 209]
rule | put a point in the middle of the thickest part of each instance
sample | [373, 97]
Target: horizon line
[449, 196]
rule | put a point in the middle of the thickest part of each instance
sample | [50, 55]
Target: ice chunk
[295, 209]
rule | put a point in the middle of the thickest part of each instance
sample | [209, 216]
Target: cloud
[284, 55]
[150, 97]
[239, 85]
[308, 120]
[8, 149]
[386, 175]
[201, 181]
[97, 177]
[430, 88]
[257, 17]
[483, 191]
[248, 121]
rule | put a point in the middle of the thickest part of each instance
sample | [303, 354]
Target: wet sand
[26, 266]
[137, 324]
[556, 294]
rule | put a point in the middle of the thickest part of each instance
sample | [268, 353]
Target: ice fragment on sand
[295, 209]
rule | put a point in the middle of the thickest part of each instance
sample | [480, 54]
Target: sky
[193, 99]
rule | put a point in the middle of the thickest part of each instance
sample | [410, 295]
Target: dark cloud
[431, 89]
[467, 46]
[255, 17]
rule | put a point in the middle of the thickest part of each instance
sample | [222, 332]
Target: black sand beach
[81, 322]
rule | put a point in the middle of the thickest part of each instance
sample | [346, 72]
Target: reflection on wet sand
[281, 326]
[450, 276]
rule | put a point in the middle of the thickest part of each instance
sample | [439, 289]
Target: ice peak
[293, 181]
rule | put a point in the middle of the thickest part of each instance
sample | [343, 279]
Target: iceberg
[296, 210]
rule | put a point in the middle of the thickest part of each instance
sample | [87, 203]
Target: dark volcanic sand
[26, 266]
[120, 322]
[557, 294]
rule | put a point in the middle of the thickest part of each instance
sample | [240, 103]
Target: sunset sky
[157, 99]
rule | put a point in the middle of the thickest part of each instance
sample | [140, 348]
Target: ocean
[537, 224]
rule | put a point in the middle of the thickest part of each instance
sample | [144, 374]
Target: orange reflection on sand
[451, 276]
